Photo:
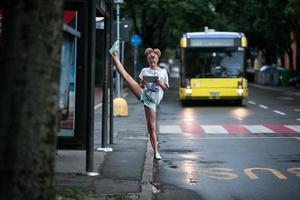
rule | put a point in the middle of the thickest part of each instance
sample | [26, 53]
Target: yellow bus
[212, 66]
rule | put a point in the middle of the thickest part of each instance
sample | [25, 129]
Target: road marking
[278, 112]
[279, 128]
[138, 138]
[191, 127]
[276, 173]
[188, 119]
[240, 129]
[258, 129]
[236, 129]
[251, 102]
[298, 119]
[295, 171]
[220, 173]
[263, 106]
[98, 106]
[214, 129]
[170, 129]
[295, 128]
[229, 138]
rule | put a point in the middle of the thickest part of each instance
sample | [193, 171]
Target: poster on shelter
[68, 75]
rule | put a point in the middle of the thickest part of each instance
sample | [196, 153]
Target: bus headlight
[188, 91]
[240, 91]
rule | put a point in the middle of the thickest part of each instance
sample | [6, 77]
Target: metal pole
[122, 60]
[111, 96]
[134, 62]
[111, 110]
[118, 38]
[105, 88]
[91, 85]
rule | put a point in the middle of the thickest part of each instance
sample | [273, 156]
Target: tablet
[150, 78]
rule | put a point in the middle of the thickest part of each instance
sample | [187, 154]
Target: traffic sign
[135, 40]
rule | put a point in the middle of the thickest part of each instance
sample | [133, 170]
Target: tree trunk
[29, 74]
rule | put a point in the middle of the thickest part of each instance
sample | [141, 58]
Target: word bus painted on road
[212, 66]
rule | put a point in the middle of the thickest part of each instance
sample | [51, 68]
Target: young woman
[153, 80]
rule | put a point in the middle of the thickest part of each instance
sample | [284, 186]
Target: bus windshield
[213, 62]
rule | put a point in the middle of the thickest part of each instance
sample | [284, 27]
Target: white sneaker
[157, 156]
[115, 47]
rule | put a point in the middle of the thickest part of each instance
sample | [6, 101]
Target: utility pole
[118, 78]
[120, 104]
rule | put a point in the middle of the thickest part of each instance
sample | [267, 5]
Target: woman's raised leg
[133, 85]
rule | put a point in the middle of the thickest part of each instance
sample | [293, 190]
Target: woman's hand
[162, 85]
[142, 83]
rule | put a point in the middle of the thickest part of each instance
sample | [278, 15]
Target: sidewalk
[128, 169]
[288, 89]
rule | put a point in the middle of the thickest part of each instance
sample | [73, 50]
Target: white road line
[188, 119]
[138, 138]
[252, 102]
[298, 119]
[295, 128]
[214, 129]
[170, 129]
[258, 129]
[278, 112]
[263, 106]
[228, 138]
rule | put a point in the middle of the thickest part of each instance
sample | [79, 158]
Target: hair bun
[150, 50]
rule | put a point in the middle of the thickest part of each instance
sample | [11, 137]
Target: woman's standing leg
[151, 125]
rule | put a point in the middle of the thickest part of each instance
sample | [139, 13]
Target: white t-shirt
[154, 91]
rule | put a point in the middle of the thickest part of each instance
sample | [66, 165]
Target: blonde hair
[148, 51]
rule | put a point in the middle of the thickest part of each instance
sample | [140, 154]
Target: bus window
[213, 63]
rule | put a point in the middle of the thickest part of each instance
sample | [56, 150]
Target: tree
[266, 23]
[162, 22]
[292, 12]
[29, 74]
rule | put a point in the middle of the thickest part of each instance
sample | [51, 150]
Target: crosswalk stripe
[236, 129]
[279, 128]
[196, 129]
[295, 128]
[170, 129]
[191, 128]
[214, 129]
[258, 129]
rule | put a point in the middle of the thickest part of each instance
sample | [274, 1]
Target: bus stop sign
[135, 40]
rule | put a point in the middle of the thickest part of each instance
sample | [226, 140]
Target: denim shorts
[147, 101]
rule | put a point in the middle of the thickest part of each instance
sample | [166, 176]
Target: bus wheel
[238, 102]
[184, 103]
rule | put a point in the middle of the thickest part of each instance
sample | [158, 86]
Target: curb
[147, 176]
[276, 89]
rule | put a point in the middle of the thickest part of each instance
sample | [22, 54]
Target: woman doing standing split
[150, 90]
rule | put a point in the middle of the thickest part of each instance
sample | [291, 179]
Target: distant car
[295, 81]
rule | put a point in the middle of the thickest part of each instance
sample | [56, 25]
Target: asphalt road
[219, 151]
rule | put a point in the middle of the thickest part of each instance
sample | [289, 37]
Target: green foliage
[266, 23]
[77, 194]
